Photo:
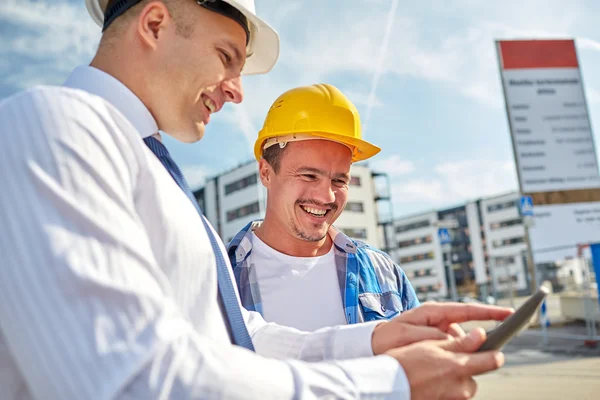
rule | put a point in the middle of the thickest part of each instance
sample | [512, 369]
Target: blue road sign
[544, 320]
[444, 236]
[595, 248]
[526, 206]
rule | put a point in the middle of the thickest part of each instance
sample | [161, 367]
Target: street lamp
[443, 228]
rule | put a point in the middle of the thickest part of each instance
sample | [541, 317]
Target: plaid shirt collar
[241, 244]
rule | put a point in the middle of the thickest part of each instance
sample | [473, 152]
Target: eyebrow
[323, 173]
[237, 54]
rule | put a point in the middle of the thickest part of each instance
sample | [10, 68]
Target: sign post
[526, 211]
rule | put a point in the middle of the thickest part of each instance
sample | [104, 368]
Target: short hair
[183, 24]
[272, 155]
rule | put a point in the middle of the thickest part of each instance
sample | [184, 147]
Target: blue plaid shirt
[372, 286]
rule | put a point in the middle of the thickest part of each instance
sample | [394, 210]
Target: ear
[265, 172]
[152, 23]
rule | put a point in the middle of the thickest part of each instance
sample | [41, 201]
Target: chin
[314, 235]
[192, 135]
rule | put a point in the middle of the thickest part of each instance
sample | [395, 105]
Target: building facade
[419, 253]
[505, 243]
[234, 198]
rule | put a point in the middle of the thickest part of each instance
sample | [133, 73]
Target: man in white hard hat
[112, 283]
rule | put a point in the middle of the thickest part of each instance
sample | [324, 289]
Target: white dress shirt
[107, 278]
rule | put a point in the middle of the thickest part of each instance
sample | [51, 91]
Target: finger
[414, 333]
[462, 388]
[440, 314]
[391, 335]
[469, 388]
[480, 363]
[466, 344]
[456, 331]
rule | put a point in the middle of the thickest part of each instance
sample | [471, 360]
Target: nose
[324, 192]
[233, 90]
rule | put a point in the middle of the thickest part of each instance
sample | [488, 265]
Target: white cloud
[394, 166]
[454, 182]
[53, 37]
[588, 44]
[362, 99]
[474, 178]
[196, 175]
[593, 95]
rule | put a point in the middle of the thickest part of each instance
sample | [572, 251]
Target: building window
[354, 206]
[418, 273]
[414, 225]
[506, 279]
[504, 261]
[242, 211]
[241, 184]
[417, 257]
[355, 181]
[501, 206]
[355, 233]
[413, 242]
[505, 224]
[428, 288]
[508, 242]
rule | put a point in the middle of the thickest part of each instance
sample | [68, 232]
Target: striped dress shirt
[107, 278]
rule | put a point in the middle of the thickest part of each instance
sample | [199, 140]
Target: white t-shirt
[301, 292]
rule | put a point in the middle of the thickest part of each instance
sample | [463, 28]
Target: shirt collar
[99, 83]
[241, 244]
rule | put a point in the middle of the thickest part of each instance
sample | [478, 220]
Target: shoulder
[56, 110]
[70, 124]
[52, 98]
[378, 259]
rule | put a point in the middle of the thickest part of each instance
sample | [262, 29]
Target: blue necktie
[227, 292]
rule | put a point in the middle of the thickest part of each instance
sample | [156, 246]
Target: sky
[423, 75]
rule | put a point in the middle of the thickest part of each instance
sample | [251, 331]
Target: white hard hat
[263, 45]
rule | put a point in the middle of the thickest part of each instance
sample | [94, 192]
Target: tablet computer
[512, 325]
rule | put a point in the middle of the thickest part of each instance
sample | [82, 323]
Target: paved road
[565, 369]
[533, 374]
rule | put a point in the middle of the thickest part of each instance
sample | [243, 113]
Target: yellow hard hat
[314, 112]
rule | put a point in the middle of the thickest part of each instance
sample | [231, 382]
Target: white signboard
[559, 228]
[551, 134]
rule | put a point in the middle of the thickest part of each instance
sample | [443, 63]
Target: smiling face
[309, 190]
[196, 69]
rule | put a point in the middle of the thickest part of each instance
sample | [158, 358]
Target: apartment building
[467, 255]
[419, 252]
[505, 243]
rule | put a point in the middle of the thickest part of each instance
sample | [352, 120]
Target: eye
[226, 58]
[340, 182]
[309, 177]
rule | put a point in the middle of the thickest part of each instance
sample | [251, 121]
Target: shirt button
[382, 308]
[352, 279]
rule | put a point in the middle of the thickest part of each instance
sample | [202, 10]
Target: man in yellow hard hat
[295, 267]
